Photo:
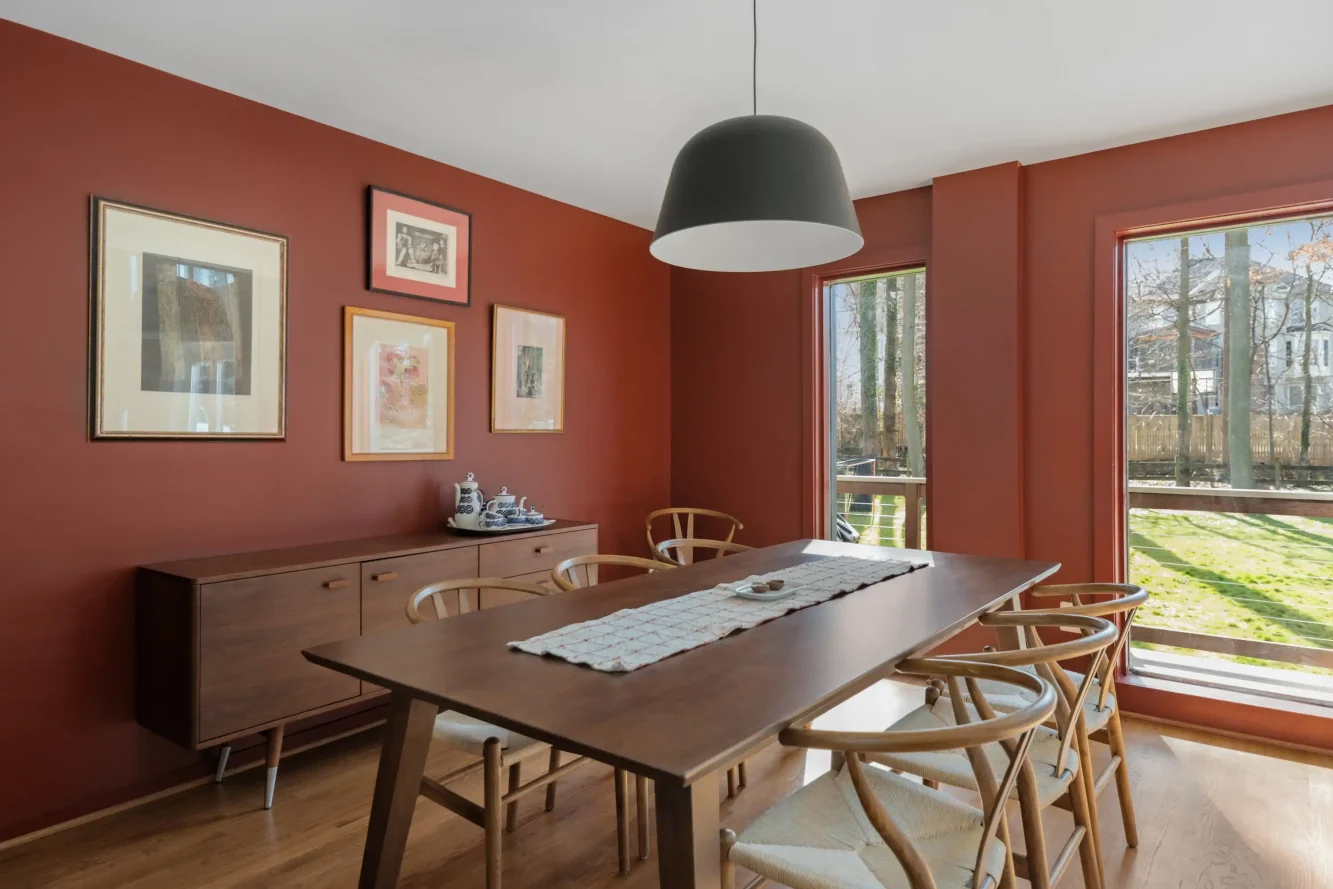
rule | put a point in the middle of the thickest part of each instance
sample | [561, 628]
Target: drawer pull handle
[387, 575]
[335, 584]
[544, 549]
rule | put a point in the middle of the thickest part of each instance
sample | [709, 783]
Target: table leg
[402, 762]
[1011, 638]
[689, 851]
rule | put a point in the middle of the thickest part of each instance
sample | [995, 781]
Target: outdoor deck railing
[911, 489]
[1286, 503]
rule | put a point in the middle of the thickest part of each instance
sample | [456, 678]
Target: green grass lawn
[1229, 574]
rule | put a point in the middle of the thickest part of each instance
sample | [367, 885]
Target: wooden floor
[1212, 813]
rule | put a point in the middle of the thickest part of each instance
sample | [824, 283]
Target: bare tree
[1318, 251]
[908, 363]
[866, 321]
[1184, 346]
[1239, 360]
[890, 368]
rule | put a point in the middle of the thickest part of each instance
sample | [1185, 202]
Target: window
[877, 377]
[1220, 395]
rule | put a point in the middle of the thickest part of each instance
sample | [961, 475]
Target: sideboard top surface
[212, 569]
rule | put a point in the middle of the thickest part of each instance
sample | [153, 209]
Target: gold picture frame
[188, 327]
[398, 389]
[527, 370]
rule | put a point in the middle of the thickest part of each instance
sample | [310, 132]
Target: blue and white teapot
[469, 502]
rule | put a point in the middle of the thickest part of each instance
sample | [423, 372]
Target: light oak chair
[1100, 711]
[500, 748]
[679, 551]
[1055, 772]
[857, 827]
[711, 517]
[581, 571]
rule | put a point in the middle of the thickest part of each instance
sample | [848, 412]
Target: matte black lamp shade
[756, 194]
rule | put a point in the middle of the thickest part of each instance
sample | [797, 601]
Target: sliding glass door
[876, 343]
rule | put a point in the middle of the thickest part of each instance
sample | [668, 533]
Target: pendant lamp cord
[754, 57]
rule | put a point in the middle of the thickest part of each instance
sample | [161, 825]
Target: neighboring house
[1279, 331]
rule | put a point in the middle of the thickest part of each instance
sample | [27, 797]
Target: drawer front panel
[386, 584]
[512, 558]
[497, 598]
[251, 633]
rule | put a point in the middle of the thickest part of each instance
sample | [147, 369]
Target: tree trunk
[1184, 344]
[891, 369]
[866, 317]
[1239, 359]
[907, 349]
[1307, 396]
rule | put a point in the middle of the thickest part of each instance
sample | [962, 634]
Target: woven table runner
[635, 637]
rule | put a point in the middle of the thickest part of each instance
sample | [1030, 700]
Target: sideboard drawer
[511, 558]
[251, 634]
[386, 584]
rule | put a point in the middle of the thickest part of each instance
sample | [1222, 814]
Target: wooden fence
[1153, 438]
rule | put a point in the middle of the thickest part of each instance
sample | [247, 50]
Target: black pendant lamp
[756, 194]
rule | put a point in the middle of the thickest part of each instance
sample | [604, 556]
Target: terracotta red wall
[76, 515]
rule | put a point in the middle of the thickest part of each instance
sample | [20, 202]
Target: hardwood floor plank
[1212, 813]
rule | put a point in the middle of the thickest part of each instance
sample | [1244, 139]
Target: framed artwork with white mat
[398, 386]
[188, 327]
[527, 371]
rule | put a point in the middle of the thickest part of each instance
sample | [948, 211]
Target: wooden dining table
[681, 721]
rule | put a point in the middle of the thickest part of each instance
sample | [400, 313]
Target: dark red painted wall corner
[76, 516]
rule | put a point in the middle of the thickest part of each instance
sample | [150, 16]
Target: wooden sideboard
[219, 639]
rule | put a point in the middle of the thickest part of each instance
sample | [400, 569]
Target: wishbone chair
[922, 839]
[711, 516]
[1057, 767]
[499, 747]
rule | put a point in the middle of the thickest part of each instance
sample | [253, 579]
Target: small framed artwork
[527, 371]
[188, 327]
[418, 248]
[398, 386]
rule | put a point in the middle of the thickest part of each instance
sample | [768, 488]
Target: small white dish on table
[746, 589]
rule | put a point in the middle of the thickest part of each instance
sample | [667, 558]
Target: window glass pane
[878, 376]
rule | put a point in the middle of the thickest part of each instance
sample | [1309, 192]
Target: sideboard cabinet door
[251, 634]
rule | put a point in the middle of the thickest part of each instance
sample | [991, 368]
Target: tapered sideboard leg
[272, 754]
[223, 753]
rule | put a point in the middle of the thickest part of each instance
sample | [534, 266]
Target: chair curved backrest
[731, 523]
[437, 591]
[568, 576]
[1084, 599]
[680, 551]
[1014, 730]
[1097, 634]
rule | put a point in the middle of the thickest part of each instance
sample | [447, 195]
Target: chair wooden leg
[511, 810]
[731, 782]
[622, 819]
[550, 788]
[1116, 736]
[1089, 779]
[1087, 852]
[641, 802]
[740, 771]
[1034, 836]
[728, 866]
[931, 783]
[1007, 878]
[492, 802]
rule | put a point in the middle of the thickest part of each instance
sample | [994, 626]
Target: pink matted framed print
[418, 248]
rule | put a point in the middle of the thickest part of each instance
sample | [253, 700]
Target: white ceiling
[587, 101]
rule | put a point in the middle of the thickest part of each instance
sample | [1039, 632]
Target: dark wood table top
[686, 716]
[233, 566]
